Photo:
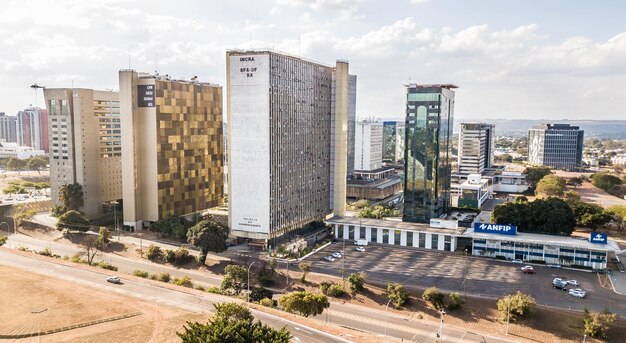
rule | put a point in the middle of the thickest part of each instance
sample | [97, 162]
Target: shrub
[305, 268]
[154, 252]
[23, 249]
[66, 258]
[304, 303]
[169, 256]
[185, 281]
[77, 259]
[140, 273]
[214, 289]
[397, 294]
[3, 239]
[153, 276]
[107, 266]
[259, 293]
[264, 276]
[455, 301]
[336, 291]
[433, 297]
[164, 277]
[181, 256]
[596, 324]
[267, 302]
[515, 305]
[200, 288]
[45, 252]
[324, 287]
[356, 282]
[57, 211]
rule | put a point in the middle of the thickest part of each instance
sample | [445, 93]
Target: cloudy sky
[531, 59]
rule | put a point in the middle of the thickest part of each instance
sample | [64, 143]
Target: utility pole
[508, 315]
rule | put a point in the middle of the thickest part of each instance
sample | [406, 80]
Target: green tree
[575, 181]
[37, 163]
[234, 278]
[259, 293]
[515, 305]
[550, 185]
[305, 268]
[455, 301]
[304, 303]
[596, 324]
[154, 252]
[434, 297]
[534, 174]
[73, 220]
[3, 239]
[57, 211]
[397, 294]
[549, 216]
[91, 246]
[12, 189]
[209, 236]
[16, 164]
[605, 181]
[232, 323]
[104, 236]
[71, 195]
[357, 282]
[618, 209]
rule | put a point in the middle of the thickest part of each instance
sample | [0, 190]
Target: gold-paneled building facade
[172, 141]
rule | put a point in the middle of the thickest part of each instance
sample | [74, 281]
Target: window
[362, 233]
[374, 235]
[396, 236]
[434, 243]
[351, 232]
[422, 240]
[340, 231]
[409, 238]
[386, 236]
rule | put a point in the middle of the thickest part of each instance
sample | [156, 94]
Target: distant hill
[609, 129]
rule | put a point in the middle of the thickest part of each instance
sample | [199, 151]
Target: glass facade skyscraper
[427, 165]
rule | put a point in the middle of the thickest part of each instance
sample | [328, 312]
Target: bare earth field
[66, 304]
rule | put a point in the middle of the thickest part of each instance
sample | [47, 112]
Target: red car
[528, 270]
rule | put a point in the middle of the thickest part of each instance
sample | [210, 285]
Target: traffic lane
[484, 277]
[148, 291]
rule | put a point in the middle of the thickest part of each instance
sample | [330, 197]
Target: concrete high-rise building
[172, 142]
[86, 147]
[351, 122]
[288, 122]
[476, 144]
[393, 140]
[558, 146]
[368, 151]
[32, 128]
[429, 120]
[8, 128]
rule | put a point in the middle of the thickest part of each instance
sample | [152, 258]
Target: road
[150, 292]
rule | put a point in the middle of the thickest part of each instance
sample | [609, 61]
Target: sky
[531, 59]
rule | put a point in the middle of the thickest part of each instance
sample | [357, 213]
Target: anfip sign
[599, 238]
[495, 228]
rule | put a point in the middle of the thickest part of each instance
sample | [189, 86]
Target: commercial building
[86, 148]
[8, 128]
[287, 121]
[476, 145]
[473, 192]
[32, 128]
[368, 148]
[351, 123]
[11, 149]
[172, 143]
[558, 146]
[429, 120]
[393, 141]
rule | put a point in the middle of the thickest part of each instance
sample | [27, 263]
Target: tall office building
[475, 147]
[558, 146]
[368, 150]
[32, 128]
[8, 128]
[351, 122]
[427, 165]
[172, 145]
[86, 147]
[393, 140]
[288, 123]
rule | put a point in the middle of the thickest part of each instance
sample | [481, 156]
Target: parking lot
[474, 275]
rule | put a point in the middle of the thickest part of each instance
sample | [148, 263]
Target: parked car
[572, 282]
[559, 284]
[555, 266]
[517, 261]
[360, 249]
[528, 269]
[114, 279]
[578, 293]
[336, 255]
[361, 242]
[329, 258]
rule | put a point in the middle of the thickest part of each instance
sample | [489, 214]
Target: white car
[578, 293]
[360, 249]
[517, 261]
[555, 266]
[337, 255]
[114, 279]
[572, 282]
[329, 258]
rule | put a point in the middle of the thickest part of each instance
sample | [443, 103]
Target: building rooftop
[375, 171]
[390, 224]
[434, 85]
[272, 51]
[382, 183]
[556, 127]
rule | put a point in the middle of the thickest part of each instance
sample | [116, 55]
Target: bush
[106, 266]
[336, 291]
[3, 240]
[77, 259]
[185, 281]
[140, 273]
[596, 324]
[200, 288]
[433, 297]
[304, 303]
[521, 305]
[57, 211]
[164, 277]
[259, 293]
[455, 301]
[154, 252]
[169, 256]
[214, 289]
[45, 252]
[264, 276]
[181, 256]
[356, 282]
[324, 287]
[397, 294]
[267, 302]
[153, 277]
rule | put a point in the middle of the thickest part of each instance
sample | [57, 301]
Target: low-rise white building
[10, 149]
[472, 193]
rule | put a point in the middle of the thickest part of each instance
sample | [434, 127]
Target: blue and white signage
[599, 238]
[495, 228]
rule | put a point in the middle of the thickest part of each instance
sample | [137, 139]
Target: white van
[361, 242]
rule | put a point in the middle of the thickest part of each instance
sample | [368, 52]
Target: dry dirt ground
[67, 303]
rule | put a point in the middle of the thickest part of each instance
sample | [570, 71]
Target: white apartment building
[368, 147]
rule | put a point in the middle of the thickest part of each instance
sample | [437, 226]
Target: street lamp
[386, 317]
[114, 203]
[440, 333]
[250, 266]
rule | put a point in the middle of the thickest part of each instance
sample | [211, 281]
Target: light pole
[440, 333]
[250, 266]
[386, 318]
[114, 203]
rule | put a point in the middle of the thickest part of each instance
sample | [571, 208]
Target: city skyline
[511, 54]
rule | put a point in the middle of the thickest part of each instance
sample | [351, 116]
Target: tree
[232, 323]
[37, 163]
[16, 164]
[357, 282]
[154, 252]
[91, 246]
[596, 324]
[397, 294]
[3, 239]
[549, 216]
[455, 301]
[515, 305]
[596, 220]
[259, 293]
[304, 303]
[71, 195]
[104, 236]
[575, 181]
[605, 181]
[12, 189]
[234, 278]
[433, 297]
[209, 236]
[305, 268]
[534, 174]
[377, 212]
[571, 195]
[73, 220]
[550, 185]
